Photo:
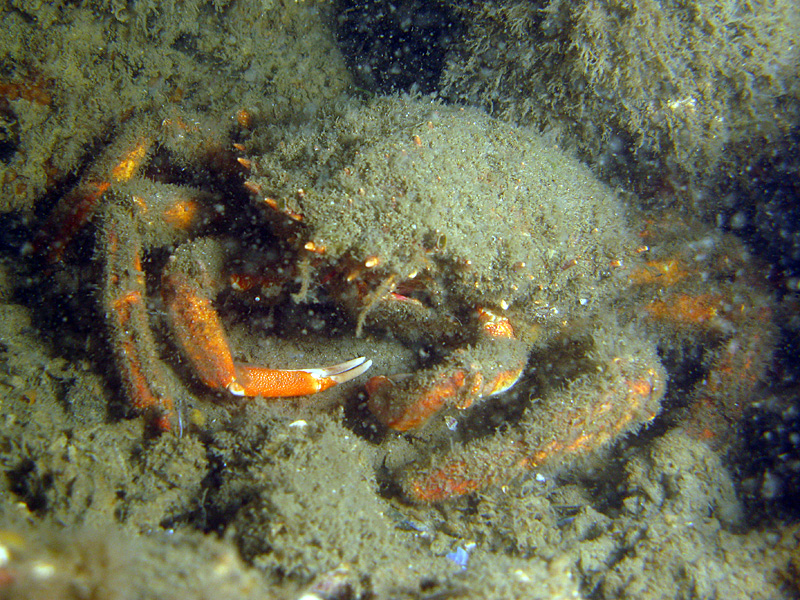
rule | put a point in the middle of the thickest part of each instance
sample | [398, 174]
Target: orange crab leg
[132, 358]
[427, 403]
[199, 331]
[624, 407]
[78, 207]
[139, 369]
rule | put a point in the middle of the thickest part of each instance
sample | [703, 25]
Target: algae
[652, 87]
[265, 500]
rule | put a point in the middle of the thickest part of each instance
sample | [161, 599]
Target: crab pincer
[492, 365]
[252, 380]
[200, 334]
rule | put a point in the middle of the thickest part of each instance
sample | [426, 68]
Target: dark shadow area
[395, 46]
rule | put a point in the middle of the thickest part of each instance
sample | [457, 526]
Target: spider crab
[500, 258]
[476, 243]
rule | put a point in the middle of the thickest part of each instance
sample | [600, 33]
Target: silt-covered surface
[279, 499]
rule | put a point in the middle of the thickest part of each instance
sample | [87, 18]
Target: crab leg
[200, 334]
[198, 330]
[141, 373]
[119, 164]
[621, 395]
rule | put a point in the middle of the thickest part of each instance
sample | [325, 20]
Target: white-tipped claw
[254, 381]
[343, 371]
[235, 388]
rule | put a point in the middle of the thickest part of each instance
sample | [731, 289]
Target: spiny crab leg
[124, 298]
[621, 396]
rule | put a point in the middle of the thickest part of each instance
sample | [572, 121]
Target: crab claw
[252, 380]
[406, 402]
[198, 330]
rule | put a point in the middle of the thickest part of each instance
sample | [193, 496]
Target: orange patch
[199, 331]
[684, 309]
